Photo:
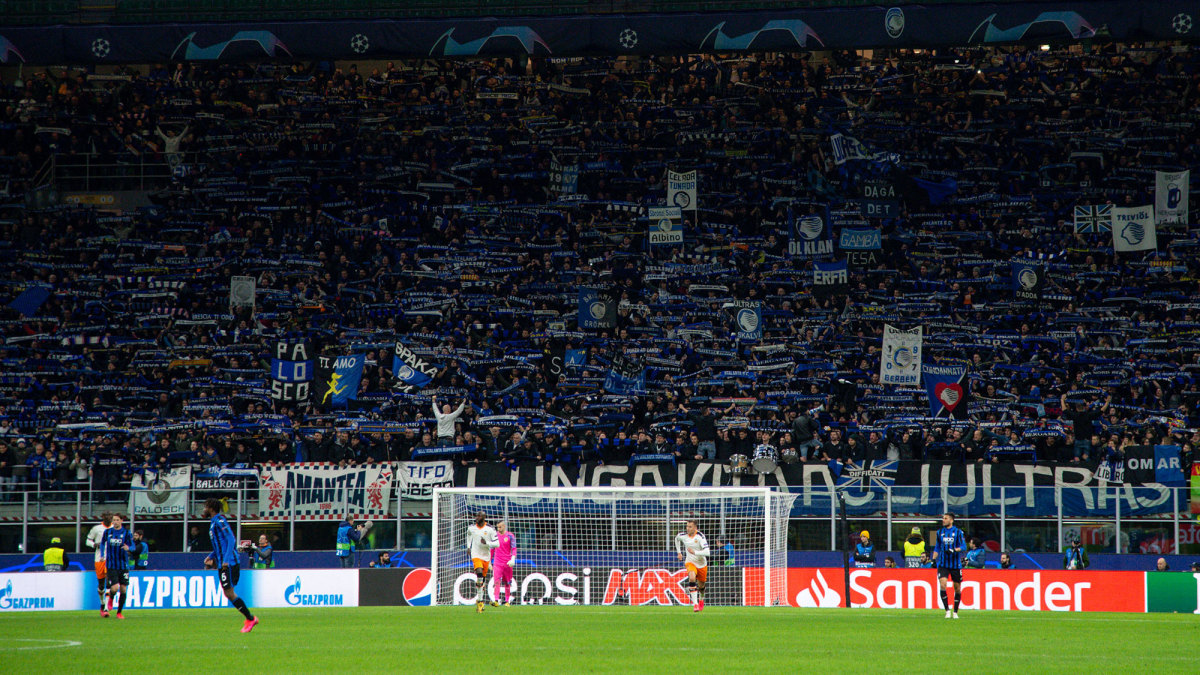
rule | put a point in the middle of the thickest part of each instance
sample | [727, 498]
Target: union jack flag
[876, 476]
[1093, 219]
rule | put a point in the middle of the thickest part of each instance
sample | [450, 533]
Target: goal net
[616, 545]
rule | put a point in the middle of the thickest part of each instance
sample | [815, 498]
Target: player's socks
[121, 603]
[945, 602]
[240, 604]
[953, 593]
[957, 602]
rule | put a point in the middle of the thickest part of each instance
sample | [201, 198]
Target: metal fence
[1111, 519]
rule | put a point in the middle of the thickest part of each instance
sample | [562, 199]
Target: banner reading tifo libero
[324, 491]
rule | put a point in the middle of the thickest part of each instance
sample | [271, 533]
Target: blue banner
[810, 235]
[947, 389]
[1168, 467]
[596, 311]
[343, 383]
[1028, 280]
[625, 376]
[860, 240]
[410, 370]
[28, 302]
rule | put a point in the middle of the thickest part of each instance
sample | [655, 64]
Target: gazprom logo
[294, 597]
[10, 601]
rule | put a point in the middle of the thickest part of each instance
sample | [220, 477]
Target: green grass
[596, 639]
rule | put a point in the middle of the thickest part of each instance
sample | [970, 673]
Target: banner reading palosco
[1036, 590]
[177, 590]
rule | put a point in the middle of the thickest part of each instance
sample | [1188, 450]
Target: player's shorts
[954, 574]
[700, 572]
[115, 577]
[504, 573]
[478, 564]
[101, 573]
[229, 576]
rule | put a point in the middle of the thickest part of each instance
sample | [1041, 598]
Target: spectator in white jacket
[445, 422]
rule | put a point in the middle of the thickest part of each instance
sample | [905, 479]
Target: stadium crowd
[459, 207]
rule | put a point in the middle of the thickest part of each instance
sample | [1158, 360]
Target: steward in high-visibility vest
[914, 547]
[55, 558]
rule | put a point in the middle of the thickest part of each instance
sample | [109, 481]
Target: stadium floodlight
[616, 545]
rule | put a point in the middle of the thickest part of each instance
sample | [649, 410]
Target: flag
[1133, 229]
[1028, 280]
[830, 278]
[597, 310]
[553, 361]
[1171, 197]
[339, 377]
[28, 302]
[241, 292]
[1093, 219]
[575, 358]
[682, 190]
[625, 376]
[810, 235]
[748, 321]
[901, 360]
[947, 390]
[411, 371]
[878, 476]
[564, 178]
[666, 225]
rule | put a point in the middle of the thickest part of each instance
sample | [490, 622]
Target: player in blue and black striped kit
[225, 558]
[116, 543]
[948, 555]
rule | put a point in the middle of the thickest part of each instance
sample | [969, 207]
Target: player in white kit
[481, 539]
[696, 560]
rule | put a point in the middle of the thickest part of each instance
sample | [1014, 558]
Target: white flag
[1133, 229]
[241, 292]
[901, 361]
[160, 494]
[1171, 197]
[681, 190]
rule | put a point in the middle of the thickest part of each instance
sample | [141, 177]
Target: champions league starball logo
[1182, 23]
[628, 38]
[1028, 279]
[359, 43]
[747, 320]
[893, 22]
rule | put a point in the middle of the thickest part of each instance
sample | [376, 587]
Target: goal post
[616, 545]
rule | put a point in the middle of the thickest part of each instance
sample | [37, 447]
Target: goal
[616, 545]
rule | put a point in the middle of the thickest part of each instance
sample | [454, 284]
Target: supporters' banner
[412, 372]
[162, 493]
[747, 321]
[291, 371]
[1171, 197]
[626, 376]
[30, 300]
[416, 480]
[338, 379]
[878, 188]
[1093, 219]
[830, 278]
[564, 179]
[948, 390]
[1152, 464]
[1028, 280]
[875, 476]
[846, 148]
[1112, 470]
[323, 491]
[682, 189]
[666, 225]
[810, 235]
[1133, 229]
[241, 292]
[597, 310]
[575, 358]
[1168, 465]
[901, 360]
[553, 361]
[860, 240]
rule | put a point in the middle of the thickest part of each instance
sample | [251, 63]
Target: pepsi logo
[418, 587]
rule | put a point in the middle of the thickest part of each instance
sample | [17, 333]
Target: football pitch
[596, 639]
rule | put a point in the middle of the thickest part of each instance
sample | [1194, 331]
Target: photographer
[347, 536]
[262, 554]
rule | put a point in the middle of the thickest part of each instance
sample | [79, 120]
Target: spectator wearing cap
[54, 559]
[864, 550]
[914, 548]
[1076, 557]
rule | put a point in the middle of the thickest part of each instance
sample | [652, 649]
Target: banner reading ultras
[324, 491]
[1032, 590]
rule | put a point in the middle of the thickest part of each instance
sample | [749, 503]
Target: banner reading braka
[324, 491]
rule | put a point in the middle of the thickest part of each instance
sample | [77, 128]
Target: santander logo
[818, 594]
